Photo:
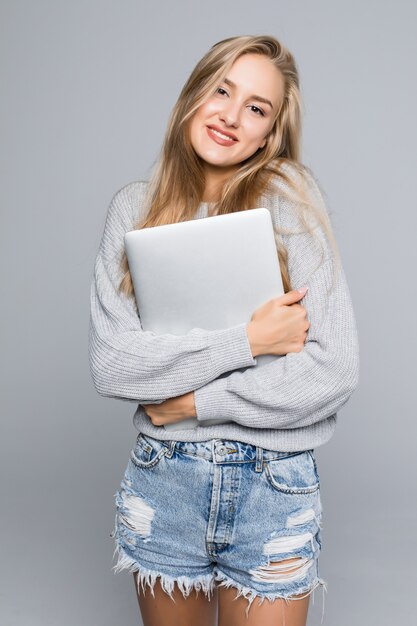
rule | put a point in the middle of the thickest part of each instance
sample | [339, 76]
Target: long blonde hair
[177, 184]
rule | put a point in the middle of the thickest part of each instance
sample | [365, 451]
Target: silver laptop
[209, 273]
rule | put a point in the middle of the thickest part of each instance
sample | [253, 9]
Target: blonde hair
[177, 184]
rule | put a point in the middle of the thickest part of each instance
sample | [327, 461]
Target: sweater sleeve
[300, 388]
[129, 363]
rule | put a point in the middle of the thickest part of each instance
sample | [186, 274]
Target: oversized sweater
[288, 404]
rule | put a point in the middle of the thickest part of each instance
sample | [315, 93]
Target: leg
[162, 611]
[280, 612]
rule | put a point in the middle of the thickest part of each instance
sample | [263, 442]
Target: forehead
[255, 74]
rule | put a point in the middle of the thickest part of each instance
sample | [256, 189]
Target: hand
[172, 410]
[279, 325]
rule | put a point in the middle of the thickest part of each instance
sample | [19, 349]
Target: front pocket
[293, 474]
[147, 451]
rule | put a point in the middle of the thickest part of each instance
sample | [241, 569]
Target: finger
[292, 296]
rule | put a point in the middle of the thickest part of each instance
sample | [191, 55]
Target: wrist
[191, 405]
[252, 338]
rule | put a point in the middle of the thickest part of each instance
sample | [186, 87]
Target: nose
[229, 114]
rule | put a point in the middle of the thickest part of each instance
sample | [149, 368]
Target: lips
[223, 132]
[221, 141]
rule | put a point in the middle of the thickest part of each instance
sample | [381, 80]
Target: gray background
[87, 88]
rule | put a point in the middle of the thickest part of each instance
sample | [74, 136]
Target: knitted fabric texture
[288, 404]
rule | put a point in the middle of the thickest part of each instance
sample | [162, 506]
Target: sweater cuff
[235, 348]
[210, 401]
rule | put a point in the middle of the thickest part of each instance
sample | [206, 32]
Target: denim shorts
[220, 511]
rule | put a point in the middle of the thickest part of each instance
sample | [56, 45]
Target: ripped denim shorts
[220, 511]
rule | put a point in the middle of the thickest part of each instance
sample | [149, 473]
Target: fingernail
[303, 289]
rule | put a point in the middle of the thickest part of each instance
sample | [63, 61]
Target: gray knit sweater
[288, 404]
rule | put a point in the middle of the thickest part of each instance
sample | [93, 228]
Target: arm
[130, 363]
[301, 388]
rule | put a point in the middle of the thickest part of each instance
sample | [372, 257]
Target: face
[234, 122]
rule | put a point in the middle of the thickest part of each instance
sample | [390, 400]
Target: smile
[219, 138]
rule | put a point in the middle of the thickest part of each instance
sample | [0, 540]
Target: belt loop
[259, 458]
[171, 446]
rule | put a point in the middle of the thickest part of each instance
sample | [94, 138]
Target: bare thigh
[232, 610]
[223, 606]
[162, 611]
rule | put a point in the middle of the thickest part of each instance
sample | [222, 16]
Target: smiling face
[234, 122]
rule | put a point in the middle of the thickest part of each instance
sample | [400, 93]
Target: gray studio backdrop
[87, 88]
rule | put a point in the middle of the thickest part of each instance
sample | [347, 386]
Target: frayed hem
[250, 595]
[149, 577]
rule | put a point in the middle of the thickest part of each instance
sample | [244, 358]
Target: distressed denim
[220, 511]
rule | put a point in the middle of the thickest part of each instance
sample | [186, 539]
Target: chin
[219, 164]
[213, 160]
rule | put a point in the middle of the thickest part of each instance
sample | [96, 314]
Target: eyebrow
[259, 98]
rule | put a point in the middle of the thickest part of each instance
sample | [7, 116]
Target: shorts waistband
[221, 451]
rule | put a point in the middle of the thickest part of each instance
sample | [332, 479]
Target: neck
[215, 180]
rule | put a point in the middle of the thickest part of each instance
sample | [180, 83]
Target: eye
[258, 110]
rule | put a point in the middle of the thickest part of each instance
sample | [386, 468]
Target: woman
[237, 503]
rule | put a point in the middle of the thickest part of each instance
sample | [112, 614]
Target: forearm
[303, 392]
